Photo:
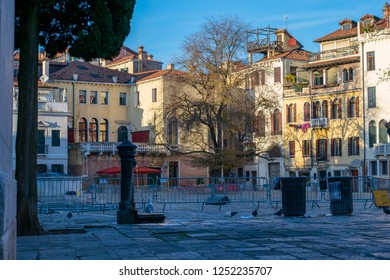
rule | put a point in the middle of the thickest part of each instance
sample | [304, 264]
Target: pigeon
[69, 215]
[254, 213]
[149, 207]
[279, 213]
[386, 210]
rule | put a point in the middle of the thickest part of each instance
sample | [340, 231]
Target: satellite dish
[43, 78]
[292, 42]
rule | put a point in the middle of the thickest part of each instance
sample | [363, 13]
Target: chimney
[45, 67]
[150, 57]
[386, 15]
[141, 59]
[171, 66]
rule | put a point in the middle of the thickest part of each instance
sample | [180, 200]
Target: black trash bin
[293, 195]
[340, 194]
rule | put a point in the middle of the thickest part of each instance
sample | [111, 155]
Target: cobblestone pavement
[212, 234]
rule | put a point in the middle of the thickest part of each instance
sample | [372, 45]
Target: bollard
[127, 213]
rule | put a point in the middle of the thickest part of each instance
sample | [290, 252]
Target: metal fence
[80, 194]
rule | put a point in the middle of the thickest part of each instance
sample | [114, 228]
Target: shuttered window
[277, 75]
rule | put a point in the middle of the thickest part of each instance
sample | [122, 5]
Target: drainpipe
[364, 169]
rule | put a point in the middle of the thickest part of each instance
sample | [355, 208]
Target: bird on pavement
[230, 213]
[69, 215]
[254, 213]
[279, 213]
[386, 210]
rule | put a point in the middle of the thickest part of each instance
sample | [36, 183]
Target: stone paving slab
[213, 235]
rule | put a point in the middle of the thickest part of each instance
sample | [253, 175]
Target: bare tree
[208, 101]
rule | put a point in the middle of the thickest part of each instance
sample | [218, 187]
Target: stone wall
[7, 184]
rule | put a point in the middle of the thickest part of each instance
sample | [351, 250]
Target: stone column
[7, 183]
[127, 213]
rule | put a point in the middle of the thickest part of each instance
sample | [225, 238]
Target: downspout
[364, 169]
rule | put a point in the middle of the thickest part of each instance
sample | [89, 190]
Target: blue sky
[161, 25]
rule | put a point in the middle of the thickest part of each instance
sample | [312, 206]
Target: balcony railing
[335, 53]
[88, 148]
[322, 157]
[43, 149]
[319, 123]
[382, 149]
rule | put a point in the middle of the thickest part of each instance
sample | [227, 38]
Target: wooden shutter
[295, 112]
[277, 75]
[262, 76]
[273, 124]
[357, 107]
[279, 116]
[332, 153]
[349, 146]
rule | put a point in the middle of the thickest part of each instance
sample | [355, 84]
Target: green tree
[88, 29]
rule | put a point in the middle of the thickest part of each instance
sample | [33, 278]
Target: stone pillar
[127, 213]
[7, 183]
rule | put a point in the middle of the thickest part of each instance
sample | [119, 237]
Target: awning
[139, 170]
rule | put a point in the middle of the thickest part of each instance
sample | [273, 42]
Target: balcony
[319, 123]
[382, 149]
[322, 158]
[101, 148]
[335, 53]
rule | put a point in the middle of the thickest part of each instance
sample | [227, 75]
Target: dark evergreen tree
[88, 29]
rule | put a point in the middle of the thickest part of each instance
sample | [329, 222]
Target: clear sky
[161, 25]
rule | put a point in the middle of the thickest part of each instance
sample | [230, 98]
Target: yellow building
[324, 125]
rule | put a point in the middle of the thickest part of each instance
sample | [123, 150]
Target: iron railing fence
[81, 194]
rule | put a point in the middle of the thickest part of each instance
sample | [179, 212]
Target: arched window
[122, 133]
[276, 122]
[103, 131]
[336, 109]
[350, 74]
[316, 110]
[173, 131]
[306, 112]
[93, 127]
[291, 113]
[372, 134]
[83, 130]
[383, 138]
[353, 107]
[345, 75]
[324, 111]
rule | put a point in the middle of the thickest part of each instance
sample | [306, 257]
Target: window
[104, 98]
[336, 109]
[103, 131]
[382, 132]
[277, 75]
[123, 98]
[83, 130]
[353, 146]
[41, 142]
[324, 109]
[259, 128]
[291, 113]
[173, 131]
[316, 110]
[373, 168]
[41, 168]
[353, 107]
[82, 96]
[291, 149]
[122, 133]
[370, 61]
[262, 77]
[55, 138]
[371, 134]
[346, 26]
[57, 168]
[347, 75]
[255, 79]
[371, 95]
[306, 148]
[306, 112]
[322, 147]
[335, 147]
[93, 97]
[276, 123]
[93, 130]
[154, 95]
[318, 78]
[384, 167]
